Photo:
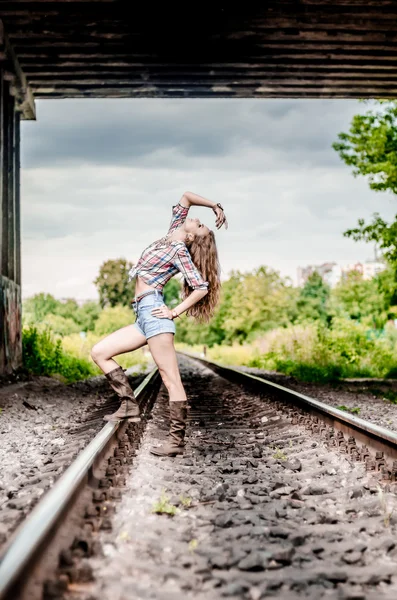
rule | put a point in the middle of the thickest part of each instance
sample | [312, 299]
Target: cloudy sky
[99, 178]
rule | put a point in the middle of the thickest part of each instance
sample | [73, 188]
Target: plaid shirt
[163, 259]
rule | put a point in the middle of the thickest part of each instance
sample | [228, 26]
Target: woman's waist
[147, 298]
[141, 287]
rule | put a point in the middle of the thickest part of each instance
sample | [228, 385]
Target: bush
[316, 353]
[42, 355]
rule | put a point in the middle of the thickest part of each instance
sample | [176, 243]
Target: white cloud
[95, 188]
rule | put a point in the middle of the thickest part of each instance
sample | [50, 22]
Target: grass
[279, 454]
[163, 506]
[80, 347]
[314, 352]
[353, 411]
[68, 358]
[43, 354]
[186, 501]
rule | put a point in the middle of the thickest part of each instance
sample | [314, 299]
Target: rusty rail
[26, 547]
[379, 445]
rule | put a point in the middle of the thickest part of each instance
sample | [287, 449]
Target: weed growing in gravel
[353, 411]
[279, 454]
[186, 501]
[390, 396]
[193, 545]
[124, 536]
[163, 506]
[384, 506]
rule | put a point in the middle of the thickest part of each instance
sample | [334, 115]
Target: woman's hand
[220, 217]
[162, 312]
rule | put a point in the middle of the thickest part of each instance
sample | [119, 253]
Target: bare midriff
[141, 287]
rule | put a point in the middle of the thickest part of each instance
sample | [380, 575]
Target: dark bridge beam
[277, 48]
[15, 100]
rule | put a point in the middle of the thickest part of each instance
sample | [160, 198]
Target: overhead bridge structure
[119, 49]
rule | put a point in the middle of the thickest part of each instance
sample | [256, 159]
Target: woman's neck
[179, 235]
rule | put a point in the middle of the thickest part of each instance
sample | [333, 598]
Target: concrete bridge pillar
[15, 102]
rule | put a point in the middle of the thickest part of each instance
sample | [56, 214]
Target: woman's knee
[97, 353]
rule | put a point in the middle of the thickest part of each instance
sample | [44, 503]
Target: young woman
[189, 248]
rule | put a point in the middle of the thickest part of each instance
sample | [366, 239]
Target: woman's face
[196, 227]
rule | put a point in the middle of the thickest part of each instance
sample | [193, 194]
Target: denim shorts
[148, 324]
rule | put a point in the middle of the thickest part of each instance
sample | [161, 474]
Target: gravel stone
[253, 540]
[32, 438]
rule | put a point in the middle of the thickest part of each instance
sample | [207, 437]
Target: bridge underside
[116, 48]
[279, 48]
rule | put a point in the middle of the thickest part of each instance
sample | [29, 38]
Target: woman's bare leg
[163, 351]
[123, 340]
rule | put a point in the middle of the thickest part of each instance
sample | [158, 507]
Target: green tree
[88, 314]
[313, 299]
[112, 318]
[67, 309]
[383, 234]
[37, 307]
[363, 300]
[61, 325]
[112, 283]
[172, 292]
[261, 301]
[370, 148]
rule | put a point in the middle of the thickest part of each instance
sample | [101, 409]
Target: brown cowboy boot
[175, 444]
[129, 408]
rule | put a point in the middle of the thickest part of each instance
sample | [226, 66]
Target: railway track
[277, 495]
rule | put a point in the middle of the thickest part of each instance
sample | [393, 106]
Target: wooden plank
[180, 93]
[153, 90]
[2, 243]
[5, 169]
[38, 86]
[42, 47]
[118, 77]
[10, 174]
[17, 192]
[24, 36]
[20, 87]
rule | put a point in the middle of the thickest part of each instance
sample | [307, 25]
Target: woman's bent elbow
[203, 292]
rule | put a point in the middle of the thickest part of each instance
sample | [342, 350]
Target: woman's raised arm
[190, 199]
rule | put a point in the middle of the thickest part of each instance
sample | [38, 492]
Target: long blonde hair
[204, 255]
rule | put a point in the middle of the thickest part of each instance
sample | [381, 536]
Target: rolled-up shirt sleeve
[179, 214]
[183, 262]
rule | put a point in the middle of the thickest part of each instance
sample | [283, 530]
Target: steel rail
[375, 437]
[41, 522]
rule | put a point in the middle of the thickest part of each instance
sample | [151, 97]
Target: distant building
[332, 273]
[368, 269]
